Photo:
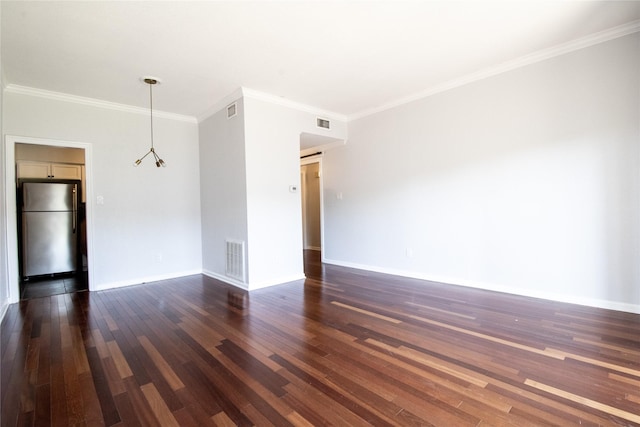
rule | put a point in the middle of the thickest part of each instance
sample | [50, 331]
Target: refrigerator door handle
[25, 198]
[75, 208]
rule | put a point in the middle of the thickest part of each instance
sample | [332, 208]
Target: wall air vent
[235, 260]
[323, 123]
[232, 110]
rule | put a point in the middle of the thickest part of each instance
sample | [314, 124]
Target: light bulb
[137, 163]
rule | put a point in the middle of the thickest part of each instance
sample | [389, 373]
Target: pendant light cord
[151, 110]
[159, 162]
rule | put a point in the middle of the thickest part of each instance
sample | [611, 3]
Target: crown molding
[577, 44]
[539, 56]
[220, 105]
[93, 102]
[244, 92]
[266, 97]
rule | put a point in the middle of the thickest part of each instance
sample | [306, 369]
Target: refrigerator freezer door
[49, 243]
[48, 196]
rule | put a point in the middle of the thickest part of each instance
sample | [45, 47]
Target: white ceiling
[345, 57]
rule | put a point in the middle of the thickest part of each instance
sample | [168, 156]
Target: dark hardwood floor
[54, 285]
[344, 347]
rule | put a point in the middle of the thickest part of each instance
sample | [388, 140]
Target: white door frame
[11, 210]
[307, 161]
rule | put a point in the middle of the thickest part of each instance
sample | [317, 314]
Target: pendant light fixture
[159, 162]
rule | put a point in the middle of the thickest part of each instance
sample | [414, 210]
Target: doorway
[311, 198]
[311, 192]
[312, 148]
[40, 160]
[52, 238]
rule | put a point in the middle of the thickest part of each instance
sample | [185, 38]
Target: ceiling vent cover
[232, 110]
[323, 123]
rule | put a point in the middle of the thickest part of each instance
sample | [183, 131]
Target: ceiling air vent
[323, 123]
[232, 110]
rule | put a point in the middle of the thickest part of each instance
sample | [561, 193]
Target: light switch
[100, 200]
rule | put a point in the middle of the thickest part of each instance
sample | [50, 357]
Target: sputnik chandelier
[159, 162]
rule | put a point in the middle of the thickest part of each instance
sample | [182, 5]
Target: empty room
[312, 213]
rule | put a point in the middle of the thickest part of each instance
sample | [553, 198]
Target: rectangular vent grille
[235, 260]
[232, 110]
[323, 123]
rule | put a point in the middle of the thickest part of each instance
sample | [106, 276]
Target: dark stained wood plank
[141, 409]
[160, 409]
[43, 405]
[107, 404]
[253, 367]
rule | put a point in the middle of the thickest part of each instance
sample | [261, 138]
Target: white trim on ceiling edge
[244, 92]
[93, 102]
[220, 104]
[262, 96]
[580, 43]
[532, 58]
[539, 56]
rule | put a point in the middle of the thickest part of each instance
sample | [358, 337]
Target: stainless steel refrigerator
[49, 217]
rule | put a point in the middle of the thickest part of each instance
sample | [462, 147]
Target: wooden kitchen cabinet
[26, 169]
[33, 170]
[62, 171]
[30, 169]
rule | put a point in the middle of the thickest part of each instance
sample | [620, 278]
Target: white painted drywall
[4, 278]
[149, 225]
[274, 213]
[526, 182]
[223, 190]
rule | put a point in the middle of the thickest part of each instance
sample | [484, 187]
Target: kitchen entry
[52, 254]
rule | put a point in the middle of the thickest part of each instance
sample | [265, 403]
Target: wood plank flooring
[344, 347]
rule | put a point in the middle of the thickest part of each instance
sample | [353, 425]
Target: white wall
[4, 278]
[527, 182]
[149, 225]
[247, 165]
[223, 189]
[272, 136]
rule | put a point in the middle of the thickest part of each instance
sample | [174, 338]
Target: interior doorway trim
[11, 208]
[307, 161]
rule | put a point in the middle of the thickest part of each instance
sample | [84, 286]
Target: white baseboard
[276, 282]
[225, 279]
[255, 285]
[3, 309]
[571, 299]
[142, 280]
